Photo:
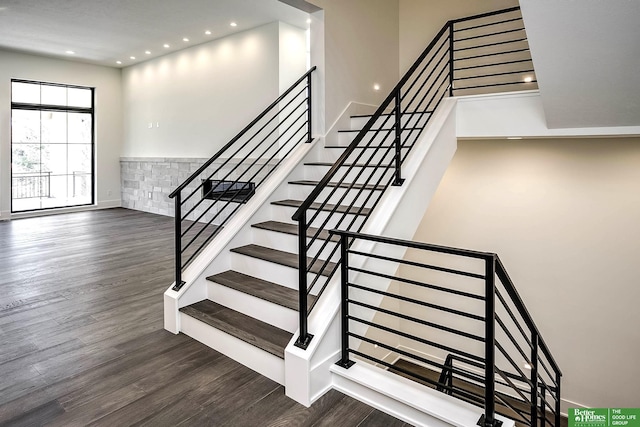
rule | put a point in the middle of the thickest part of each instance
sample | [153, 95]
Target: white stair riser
[341, 196]
[265, 311]
[375, 138]
[265, 270]
[289, 243]
[254, 358]
[407, 119]
[284, 214]
[370, 156]
[316, 173]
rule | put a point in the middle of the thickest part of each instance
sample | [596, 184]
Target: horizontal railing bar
[485, 15]
[494, 84]
[413, 338]
[425, 68]
[416, 245]
[237, 192]
[416, 320]
[230, 172]
[513, 386]
[240, 134]
[400, 369]
[493, 64]
[487, 25]
[513, 340]
[242, 146]
[482, 76]
[418, 302]
[247, 168]
[513, 318]
[329, 175]
[498, 33]
[517, 300]
[421, 284]
[455, 370]
[418, 264]
[515, 365]
[505, 52]
[480, 46]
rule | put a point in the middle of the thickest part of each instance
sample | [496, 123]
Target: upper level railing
[206, 201]
[453, 313]
[485, 52]
[26, 185]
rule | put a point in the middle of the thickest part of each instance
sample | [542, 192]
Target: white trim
[406, 399]
[108, 204]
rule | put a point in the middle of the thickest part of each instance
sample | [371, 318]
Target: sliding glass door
[52, 146]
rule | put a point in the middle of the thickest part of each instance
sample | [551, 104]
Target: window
[52, 146]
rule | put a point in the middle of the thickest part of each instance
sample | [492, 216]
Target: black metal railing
[30, 185]
[210, 196]
[427, 304]
[348, 192]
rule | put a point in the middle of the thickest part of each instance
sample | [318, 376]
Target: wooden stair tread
[408, 113]
[358, 147]
[255, 332]
[327, 207]
[283, 227]
[376, 130]
[340, 185]
[287, 259]
[259, 288]
[355, 165]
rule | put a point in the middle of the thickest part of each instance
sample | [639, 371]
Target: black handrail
[389, 134]
[493, 379]
[256, 151]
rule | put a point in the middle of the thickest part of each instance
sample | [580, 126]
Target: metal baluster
[178, 241]
[344, 298]
[305, 338]
[398, 141]
[534, 379]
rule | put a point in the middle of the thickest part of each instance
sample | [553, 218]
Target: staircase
[277, 215]
[256, 301]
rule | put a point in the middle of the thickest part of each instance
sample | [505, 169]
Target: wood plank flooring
[83, 341]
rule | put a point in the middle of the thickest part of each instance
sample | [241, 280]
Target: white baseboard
[106, 204]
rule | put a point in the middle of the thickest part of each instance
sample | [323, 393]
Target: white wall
[292, 53]
[108, 110]
[563, 216]
[360, 49]
[421, 20]
[199, 98]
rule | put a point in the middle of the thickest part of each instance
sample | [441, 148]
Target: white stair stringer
[405, 399]
[397, 214]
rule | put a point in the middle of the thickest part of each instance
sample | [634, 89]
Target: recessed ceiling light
[528, 79]
[118, 62]
[514, 137]
[233, 24]
[185, 39]
[167, 45]
[70, 52]
[208, 32]
[132, 57]
[148, 52]
[376, 86]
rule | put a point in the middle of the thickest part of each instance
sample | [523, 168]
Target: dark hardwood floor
[83, 341]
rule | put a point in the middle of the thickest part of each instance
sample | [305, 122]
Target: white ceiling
[587, 57]
[105, 31]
